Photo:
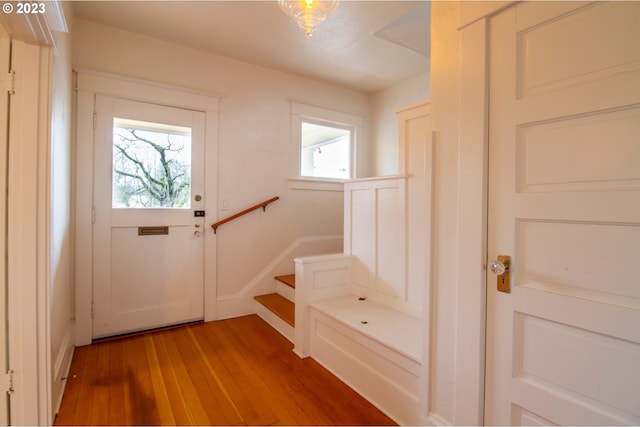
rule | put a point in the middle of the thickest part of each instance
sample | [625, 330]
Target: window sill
[316, 184]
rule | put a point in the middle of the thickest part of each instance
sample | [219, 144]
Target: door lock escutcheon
[501, 268]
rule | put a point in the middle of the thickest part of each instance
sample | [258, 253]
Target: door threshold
[145, 331]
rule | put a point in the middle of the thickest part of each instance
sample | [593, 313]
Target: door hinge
[8, 82]
[7, 382]
[93, 309]
[93, 214]
[95, 120]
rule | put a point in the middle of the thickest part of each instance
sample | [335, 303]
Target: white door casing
[28, 235]
[5, 59]
[146, 281]
[564, 202]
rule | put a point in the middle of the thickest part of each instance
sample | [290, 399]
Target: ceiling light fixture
[308, 14]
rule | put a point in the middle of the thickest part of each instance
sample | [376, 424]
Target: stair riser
[286, 291]
[276, 322]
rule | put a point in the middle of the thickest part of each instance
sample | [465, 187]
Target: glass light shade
[308, 14]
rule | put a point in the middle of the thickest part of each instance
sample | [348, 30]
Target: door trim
[28, 213]
[472, 225]
[88, 84]
[473, 117]
[5, 66]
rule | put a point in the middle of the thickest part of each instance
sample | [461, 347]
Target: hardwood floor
[231, 372]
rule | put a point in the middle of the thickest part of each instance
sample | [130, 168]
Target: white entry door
[563, 347]
[149, 216]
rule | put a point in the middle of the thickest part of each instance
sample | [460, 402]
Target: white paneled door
[563, 347]
[149, 216]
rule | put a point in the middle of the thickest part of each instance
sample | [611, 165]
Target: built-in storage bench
[369, 342]
[376, 350]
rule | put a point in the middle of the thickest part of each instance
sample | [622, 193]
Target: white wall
[254, 140]
[384, 121]
[61, 221]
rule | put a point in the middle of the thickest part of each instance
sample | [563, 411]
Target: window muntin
[151, 165]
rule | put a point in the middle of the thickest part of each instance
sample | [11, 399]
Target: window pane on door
[151, 165]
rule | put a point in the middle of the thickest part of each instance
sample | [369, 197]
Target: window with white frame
[324, 144]
[325, 151]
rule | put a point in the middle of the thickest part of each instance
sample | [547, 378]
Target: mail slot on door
[153, 231]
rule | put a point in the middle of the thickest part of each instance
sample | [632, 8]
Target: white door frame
[28, 216]
[28, 235]
[472, 210]
[5, 60]
[89, 83]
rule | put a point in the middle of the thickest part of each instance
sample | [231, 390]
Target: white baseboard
[61, 367]
[434, 420]
[229, 308]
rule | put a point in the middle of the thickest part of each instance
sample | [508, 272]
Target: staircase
[278, 309]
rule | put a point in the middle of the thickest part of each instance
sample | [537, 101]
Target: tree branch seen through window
[151, 168]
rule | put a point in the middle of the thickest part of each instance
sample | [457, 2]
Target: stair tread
[279, 305]
[288, 279]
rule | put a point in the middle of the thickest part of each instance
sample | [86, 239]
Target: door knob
[500, 267]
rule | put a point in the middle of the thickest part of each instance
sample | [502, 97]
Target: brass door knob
[500, 267]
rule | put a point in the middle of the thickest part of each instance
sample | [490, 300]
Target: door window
[151, 165]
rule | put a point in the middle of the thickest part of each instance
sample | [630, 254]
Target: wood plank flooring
[231, 372]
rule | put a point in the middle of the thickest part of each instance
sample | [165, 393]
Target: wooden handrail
[262, 205]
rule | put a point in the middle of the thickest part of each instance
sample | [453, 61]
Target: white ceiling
[364, 45]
